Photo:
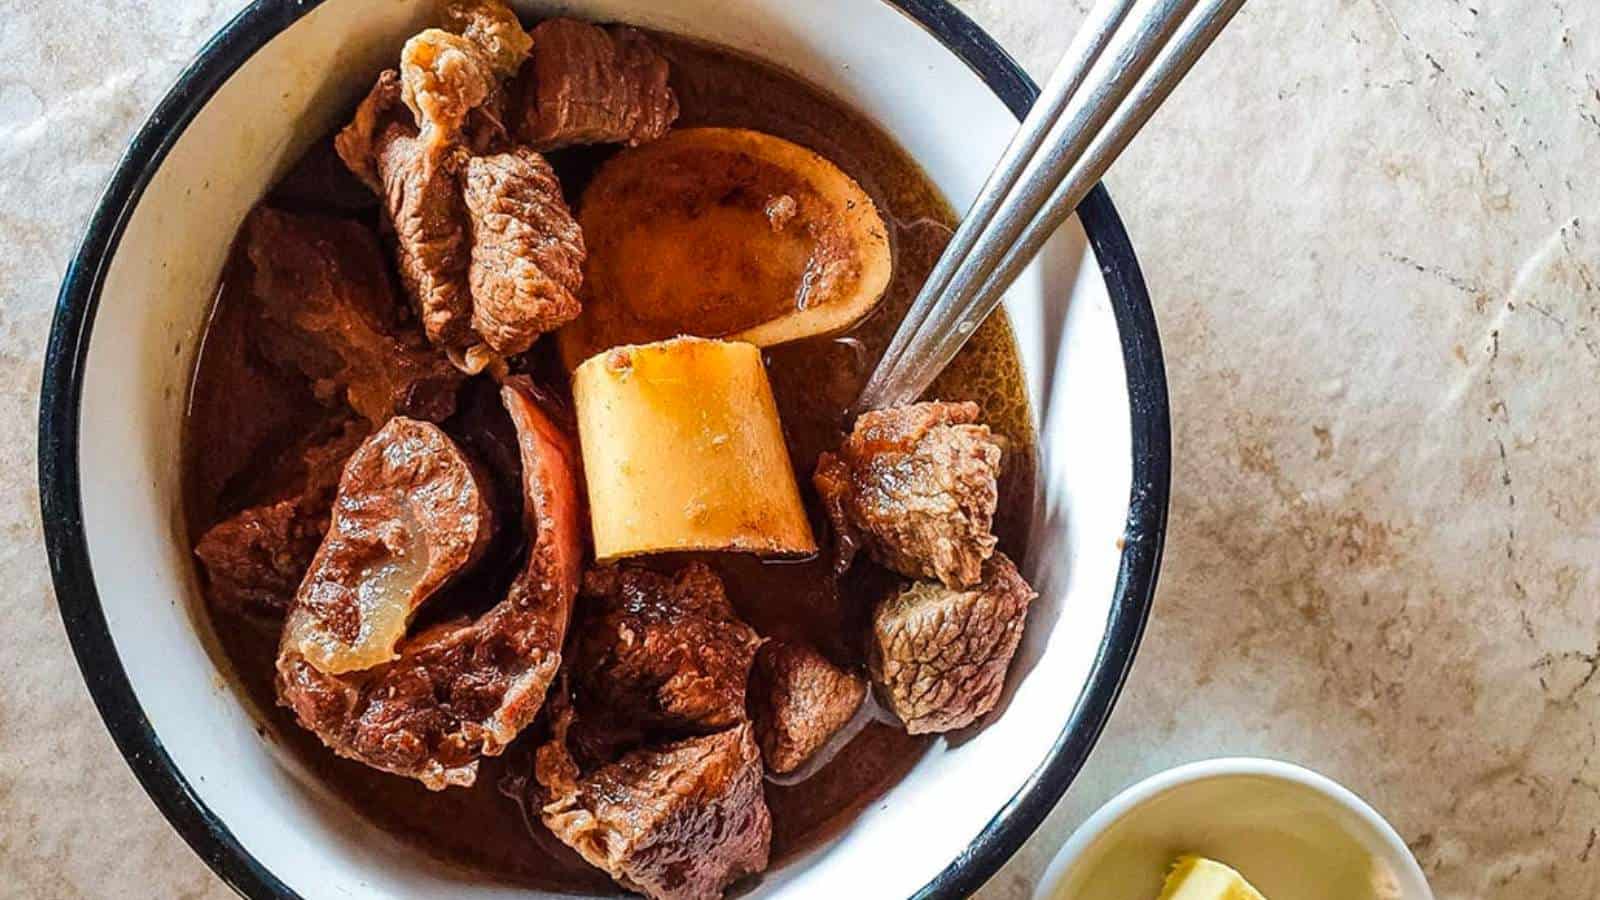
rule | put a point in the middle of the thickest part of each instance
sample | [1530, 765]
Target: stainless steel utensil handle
[1078, 148]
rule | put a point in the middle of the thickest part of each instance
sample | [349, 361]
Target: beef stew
[505, 687]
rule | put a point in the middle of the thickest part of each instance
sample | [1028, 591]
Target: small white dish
[1293, 834]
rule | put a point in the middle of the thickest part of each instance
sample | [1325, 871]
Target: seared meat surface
[328, 313]
[659, 652]
[678, 821]
[798, 700]
[428, 228]
[938, 655]
[462, 689]
[917, 486]
[585, 84]
[254, 559]
[527, 250]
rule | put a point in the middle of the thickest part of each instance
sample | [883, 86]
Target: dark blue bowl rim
[61, 395]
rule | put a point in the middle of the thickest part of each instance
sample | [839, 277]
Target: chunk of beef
[464, 689]
[660, 652]
[428, 225]
[424, 218]
[328, 312]
[939, 655]
[680, 821]
[254, 560]
[357, 142]
[917, 486]
[527, 250]
[494, 28]
[798, 700]
[485, 245]
[590, 85]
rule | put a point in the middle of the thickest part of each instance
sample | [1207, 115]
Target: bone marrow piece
[725, 232]
[682, 450]
[939, 655]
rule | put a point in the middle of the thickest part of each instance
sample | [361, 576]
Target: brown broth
[240, 412]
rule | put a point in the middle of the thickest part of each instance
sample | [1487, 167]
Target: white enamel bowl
[135, 300]
[1293, 834]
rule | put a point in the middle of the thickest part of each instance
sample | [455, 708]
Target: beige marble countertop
[1370, 229]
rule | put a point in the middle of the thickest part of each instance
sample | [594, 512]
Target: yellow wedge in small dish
[1198, 878]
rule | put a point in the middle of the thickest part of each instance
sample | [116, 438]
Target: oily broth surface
[814, 381]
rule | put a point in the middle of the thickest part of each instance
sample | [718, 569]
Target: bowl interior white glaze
[156, 295]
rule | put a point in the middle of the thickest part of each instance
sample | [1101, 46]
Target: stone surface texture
[1372, 232]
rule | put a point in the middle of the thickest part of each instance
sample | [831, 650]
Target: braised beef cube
[328, 313]
[254, 560]
[680, 821]
[938, 655]
[527, 250]
[585, 84]
[661, 651]
[917, 487]
[424, 218]
[427, 226]
[798, 700]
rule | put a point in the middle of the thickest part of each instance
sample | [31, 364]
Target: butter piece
[1198, 878]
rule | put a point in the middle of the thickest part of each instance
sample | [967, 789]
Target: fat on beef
[658, 652]
[585, 84]
[675, 821]
[463, 689]
[916, 486]
[798, 700]
[527, 250]
[328, 312]
[254, 559]
[450, 85]
[494, 28]
[938, 655]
